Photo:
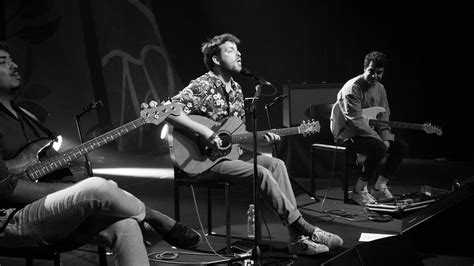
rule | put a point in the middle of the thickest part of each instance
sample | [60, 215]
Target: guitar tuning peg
[144, 105]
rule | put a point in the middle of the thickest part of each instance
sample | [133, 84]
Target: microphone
[249, 74]
[277, 99]
[93, 105]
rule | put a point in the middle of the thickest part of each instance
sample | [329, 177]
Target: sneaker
[381, 194]
[329, 239]
[182, 236]
[363, 198]
[304, 246]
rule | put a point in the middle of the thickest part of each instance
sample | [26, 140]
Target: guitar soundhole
[226, 140]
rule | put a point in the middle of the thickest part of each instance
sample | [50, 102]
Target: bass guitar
[27, 163]
[191, 154]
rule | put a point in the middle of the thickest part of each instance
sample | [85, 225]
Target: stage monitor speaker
[394, 250]
[444, 226]
[302, 96]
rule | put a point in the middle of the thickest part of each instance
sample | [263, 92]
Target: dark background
[297, 41]
[326, 41]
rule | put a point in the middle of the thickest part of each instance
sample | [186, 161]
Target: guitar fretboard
[394, 124]
[247, 138]
[51, 164]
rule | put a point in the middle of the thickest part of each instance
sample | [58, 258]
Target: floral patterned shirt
[207, 96]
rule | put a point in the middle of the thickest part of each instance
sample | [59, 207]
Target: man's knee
[263, 173]
[379, 149]
[127, 225]
[98, 186]
[279, 163]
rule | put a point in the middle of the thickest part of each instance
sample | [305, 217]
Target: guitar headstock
[310, 127]
[157, 114]
[432, 129]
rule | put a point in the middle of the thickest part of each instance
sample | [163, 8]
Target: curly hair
[4, 46]
[211, 47]
[379, 59]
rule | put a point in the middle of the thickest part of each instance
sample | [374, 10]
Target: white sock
[381, 183]
[360, 186]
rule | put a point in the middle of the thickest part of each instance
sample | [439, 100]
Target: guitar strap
[33, 120]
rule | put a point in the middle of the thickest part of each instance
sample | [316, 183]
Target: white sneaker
[363, 198]
[304, 246]
[329, 239]
[381, 194]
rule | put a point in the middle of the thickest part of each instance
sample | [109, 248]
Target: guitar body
[371, 113]
[27, 156]
[189, 152]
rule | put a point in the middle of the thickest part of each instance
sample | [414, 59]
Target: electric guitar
[370, 116]
[27, 163]
[190, 153]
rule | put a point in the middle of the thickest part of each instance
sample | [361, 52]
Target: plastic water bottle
[251, 221]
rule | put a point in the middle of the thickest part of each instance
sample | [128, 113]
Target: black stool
[346, 158]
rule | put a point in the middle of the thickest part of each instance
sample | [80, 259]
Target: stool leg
[312, 172]
[57, 259]
[345, 175]
[102, 256]
[227, 218]
[176, 202]
[209, 211]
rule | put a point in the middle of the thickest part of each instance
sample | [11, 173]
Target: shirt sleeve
[190, 97]
[352, 110]
[7, 182]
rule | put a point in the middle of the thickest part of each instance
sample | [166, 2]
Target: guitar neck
[394, 124]
[247, 138]
[51, 164]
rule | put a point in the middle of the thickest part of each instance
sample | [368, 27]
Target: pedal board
[403, 203]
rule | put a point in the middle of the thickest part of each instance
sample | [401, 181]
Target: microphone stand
[87, 163]
[256, 248]
[277, 154]
[101, 250]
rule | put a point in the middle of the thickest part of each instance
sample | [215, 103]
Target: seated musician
[57, 209]
[351, 130]
[216, 95]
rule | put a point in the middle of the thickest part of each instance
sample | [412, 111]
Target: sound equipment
[302, 96]
[444, 226]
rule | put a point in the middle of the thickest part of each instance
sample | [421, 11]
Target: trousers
[94, 210]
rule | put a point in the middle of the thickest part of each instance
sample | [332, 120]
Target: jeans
[273, 178]
[94, 211]
[375, 151]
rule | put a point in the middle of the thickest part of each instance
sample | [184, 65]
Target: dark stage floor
[155, 187]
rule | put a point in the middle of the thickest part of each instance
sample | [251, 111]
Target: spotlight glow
[164, 131]
[160, 173]
[57, 144]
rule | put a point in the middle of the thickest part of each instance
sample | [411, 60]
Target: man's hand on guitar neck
[271, 137]
[183, 121]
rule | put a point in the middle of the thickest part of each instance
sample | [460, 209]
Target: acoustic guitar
[191, 153]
